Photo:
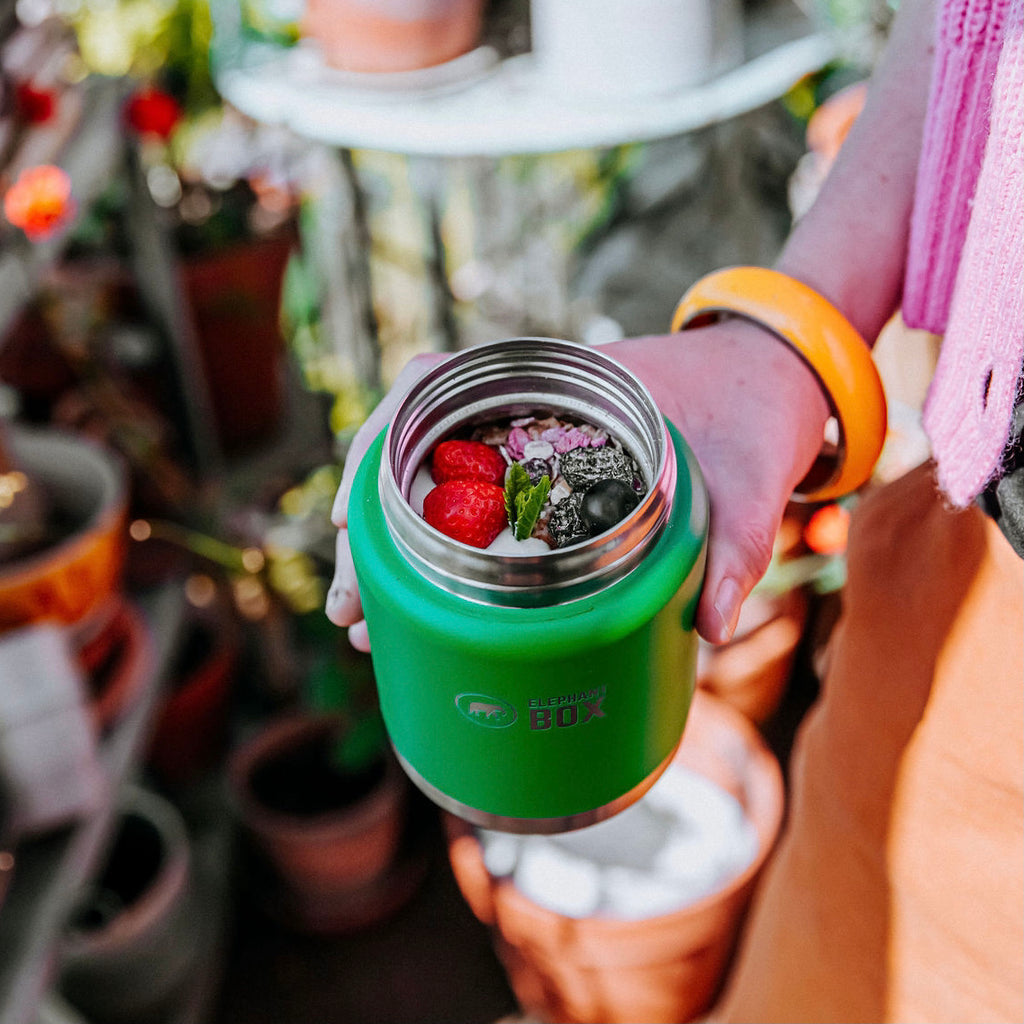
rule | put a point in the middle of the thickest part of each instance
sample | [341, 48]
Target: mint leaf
[517, 480]
[523, 500]
[528, 506]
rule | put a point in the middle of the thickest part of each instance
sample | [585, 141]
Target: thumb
[739, 551]
[374, 424]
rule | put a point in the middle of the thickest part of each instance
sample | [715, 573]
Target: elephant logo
[491, 712]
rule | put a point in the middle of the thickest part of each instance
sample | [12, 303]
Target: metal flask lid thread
[519, 377]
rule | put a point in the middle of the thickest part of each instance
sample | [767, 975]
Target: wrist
[831, 349]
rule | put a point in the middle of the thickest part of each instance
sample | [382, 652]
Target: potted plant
[65, 544]
[322, 840]
[190, 732]
[130, 948]
[325, 821]
[326, 817]
[227, 190]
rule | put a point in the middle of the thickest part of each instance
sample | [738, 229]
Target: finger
[343, 606]
[374, 424]
[739, 551]
[361, 441]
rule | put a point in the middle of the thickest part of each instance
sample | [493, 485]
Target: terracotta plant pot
[323, 846]
[752, 671]
[72, 581]
[235, 296]
[130, 948]
[664, 968]
[117, 662]
[392, 35]
[190, 732]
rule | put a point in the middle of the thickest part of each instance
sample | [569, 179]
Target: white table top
[482, 105]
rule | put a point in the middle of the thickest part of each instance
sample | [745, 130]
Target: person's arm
[748, 406]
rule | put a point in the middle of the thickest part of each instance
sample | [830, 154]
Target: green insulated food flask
[534, 692]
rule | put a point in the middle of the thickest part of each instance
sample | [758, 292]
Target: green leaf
[516, 481]
[523, 500]
[528, 505]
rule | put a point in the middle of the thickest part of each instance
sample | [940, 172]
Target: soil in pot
[306, 781]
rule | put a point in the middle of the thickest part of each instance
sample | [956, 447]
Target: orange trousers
[897, 890]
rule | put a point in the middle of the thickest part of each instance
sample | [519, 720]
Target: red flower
[826, 531]
[40, 201]
[152, 111]
[35, 105]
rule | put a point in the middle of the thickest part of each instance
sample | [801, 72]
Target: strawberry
[471, 511]
[467, 460]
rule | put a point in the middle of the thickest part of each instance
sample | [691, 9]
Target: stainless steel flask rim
[520, 376]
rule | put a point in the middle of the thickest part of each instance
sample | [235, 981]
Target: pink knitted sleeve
[967, 49]
[970, 404]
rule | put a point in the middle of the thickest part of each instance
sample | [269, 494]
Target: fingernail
[359, 636]
[335, 596]
[727, 603]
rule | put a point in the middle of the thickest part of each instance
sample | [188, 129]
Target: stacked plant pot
[129, 954]
[323, 848]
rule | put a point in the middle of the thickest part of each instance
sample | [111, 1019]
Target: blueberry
[536, 468]
[607, 503]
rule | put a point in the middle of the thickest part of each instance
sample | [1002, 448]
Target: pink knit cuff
[967, 51]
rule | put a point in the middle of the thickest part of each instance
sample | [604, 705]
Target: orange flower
[827, 529]
[40, 201]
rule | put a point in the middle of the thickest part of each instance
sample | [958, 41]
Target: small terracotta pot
[234, 296]
[117, 663]
[753, 670]
[664, 968]
[392, 35]
[130, 947]
[190, 732]
[325, 843]
[76, 577]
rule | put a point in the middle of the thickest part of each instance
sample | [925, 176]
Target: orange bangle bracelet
[828, 343]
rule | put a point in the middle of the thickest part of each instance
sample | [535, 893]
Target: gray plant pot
[130, 948]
